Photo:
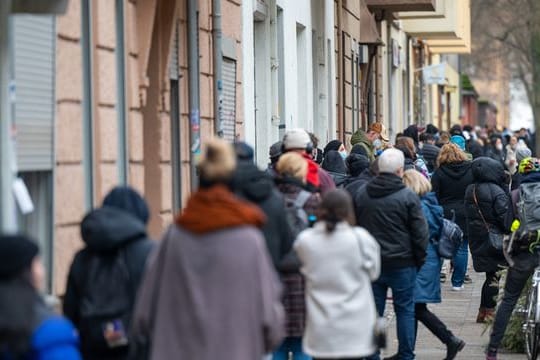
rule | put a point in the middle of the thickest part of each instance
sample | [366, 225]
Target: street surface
[458, 311]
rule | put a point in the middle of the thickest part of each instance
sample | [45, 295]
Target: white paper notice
[20, 191]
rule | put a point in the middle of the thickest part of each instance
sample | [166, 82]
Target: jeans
[402, 282]
[291, 345]
[515, 282]
[490, 290]
[432, 323]
[460, 262]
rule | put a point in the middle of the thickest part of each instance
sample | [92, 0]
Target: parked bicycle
[531, 324]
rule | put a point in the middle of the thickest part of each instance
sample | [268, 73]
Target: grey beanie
[522, 152]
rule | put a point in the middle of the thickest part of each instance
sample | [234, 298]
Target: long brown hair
[450, 154]
[336, 206]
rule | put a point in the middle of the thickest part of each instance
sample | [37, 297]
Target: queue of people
[292, 262]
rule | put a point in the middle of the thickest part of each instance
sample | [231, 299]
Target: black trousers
[432, 322]
[490, 290]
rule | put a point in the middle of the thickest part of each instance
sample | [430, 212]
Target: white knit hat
[296, 139]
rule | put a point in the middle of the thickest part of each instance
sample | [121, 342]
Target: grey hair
[391, 160]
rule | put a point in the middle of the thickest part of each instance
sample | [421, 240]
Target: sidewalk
[458, 311]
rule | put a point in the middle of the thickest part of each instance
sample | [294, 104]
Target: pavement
[458, 311]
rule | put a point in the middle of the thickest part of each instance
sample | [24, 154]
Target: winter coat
[428, 285]
[430, 153]
[339, 268]
[355, 183]
[335, 167]
[393, 214]
[54, 337]
[449, 183]
[495, 154]
[492, 199]
[474, 148]
[254, 185]
[211, 292]
[360, 138]
[106, 230]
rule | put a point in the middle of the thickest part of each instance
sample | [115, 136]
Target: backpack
[528, 207]
[450, 239]
[297, 217]
[107, 299]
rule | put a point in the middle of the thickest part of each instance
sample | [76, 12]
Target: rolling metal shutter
[229, 99]
[34, 65]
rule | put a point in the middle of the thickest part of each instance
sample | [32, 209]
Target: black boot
[454, 346]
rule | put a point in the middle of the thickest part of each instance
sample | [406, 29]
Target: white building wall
[300, 20]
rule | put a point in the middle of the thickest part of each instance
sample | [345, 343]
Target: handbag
[381, 325]
[496, 238]
[450, 239]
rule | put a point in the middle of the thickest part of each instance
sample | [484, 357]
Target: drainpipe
[194, 96]
[7, 155]
[389, 64]
[340, 127]
[218, 60]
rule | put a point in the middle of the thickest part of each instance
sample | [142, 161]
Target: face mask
[377, 144]
[499, 147]
[343, 154]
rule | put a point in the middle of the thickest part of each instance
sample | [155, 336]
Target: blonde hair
[218, 161]
[450, 154]
[292, 164]
[416, 182]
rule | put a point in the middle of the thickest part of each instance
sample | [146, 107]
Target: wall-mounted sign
[435, 74]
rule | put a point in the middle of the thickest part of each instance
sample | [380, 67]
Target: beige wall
[149, 34]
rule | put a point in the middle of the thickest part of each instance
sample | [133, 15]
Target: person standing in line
[524, 258]
[486, 203]
[302, 209]
[211, 292]
[335, 166]
[522, 152]
[449, 182]
[428, 286]
[370, 140]
[393, 215]
[28, 328]
[429, 151]
[274, 153]
[339, 261]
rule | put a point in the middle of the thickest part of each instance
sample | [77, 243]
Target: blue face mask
[377, 144]
[343, 154]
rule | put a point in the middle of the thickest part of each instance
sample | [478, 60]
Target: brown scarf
[216, 208]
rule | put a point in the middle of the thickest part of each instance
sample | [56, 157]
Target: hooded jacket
[335, 166]
[360, 138]
[211, 291]
[449, 184]
[393, 214]
[489, 189]
[256, 186]
[106, 230]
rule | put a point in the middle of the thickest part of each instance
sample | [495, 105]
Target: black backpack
[107, 300]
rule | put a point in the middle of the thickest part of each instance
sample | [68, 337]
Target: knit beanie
[522, 152]
[16, 254]
[459, 141]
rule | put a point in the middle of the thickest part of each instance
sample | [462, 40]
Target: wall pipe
[218, 67]
[194, 96]
[122, 162]
[340, 99]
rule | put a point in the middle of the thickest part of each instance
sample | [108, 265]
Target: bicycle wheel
[532, 324]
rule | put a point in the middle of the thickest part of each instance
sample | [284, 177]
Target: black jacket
[489, 187]
[354, 184]
[335, 166]
[474, 148]
[393, 214]
[258, 187]
[104, 231]
[449, 184]
[430, 152]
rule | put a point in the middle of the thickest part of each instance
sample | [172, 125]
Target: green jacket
[360, 138]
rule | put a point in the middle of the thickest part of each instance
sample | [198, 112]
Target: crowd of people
[291, 262]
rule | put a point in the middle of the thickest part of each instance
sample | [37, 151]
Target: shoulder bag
[496, 238]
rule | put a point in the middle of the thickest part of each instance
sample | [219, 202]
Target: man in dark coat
[392, 213]
[116, 229]
[429, 151]
[258, 187]
[486, 203]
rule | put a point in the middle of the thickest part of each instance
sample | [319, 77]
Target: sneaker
[467, 279]
[457, 288]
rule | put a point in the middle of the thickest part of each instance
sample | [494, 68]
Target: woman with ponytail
[339, 262]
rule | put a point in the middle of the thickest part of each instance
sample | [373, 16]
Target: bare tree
[509, 31]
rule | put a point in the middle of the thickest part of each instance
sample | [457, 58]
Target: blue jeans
[293, 345]
[402, 282]
[460, 261]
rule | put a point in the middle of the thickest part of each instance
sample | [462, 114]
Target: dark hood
[357, 163]
[252, 183]
[109, 228]
[487, 170]
[530, 178]
[333, 162]
[127, 199]
[384, 185]
[332, 145]
[456, 170]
